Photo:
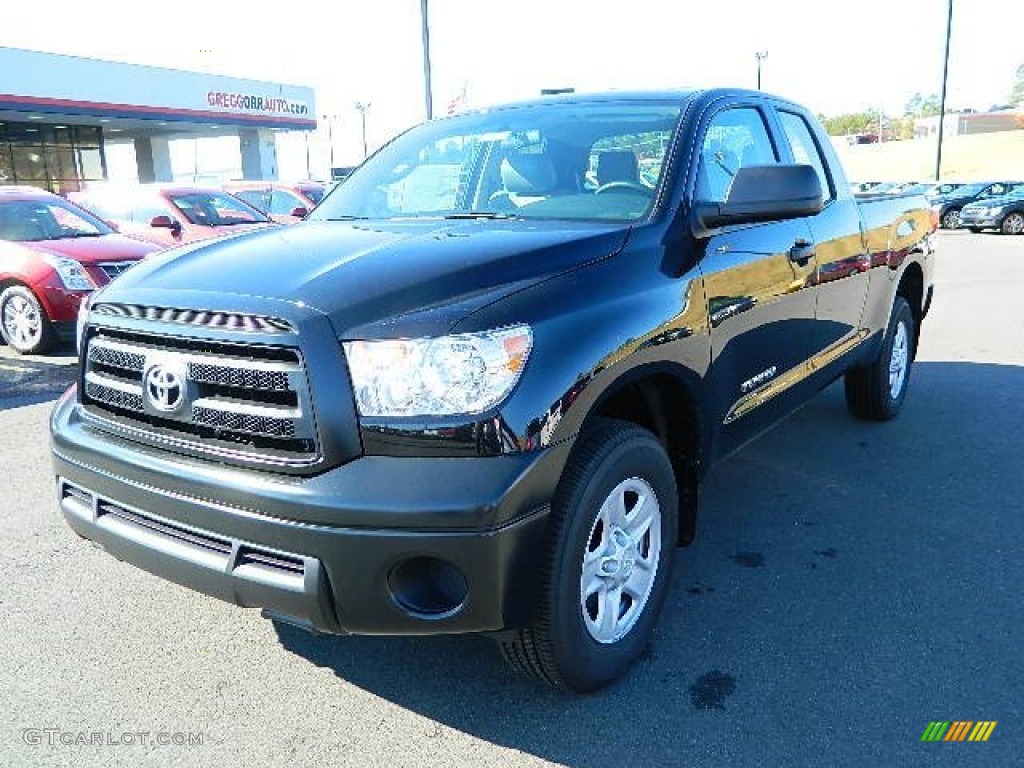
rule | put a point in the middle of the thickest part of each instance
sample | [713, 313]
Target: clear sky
[834, 57]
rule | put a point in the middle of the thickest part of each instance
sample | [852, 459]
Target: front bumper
[968, 219]
[377, 546]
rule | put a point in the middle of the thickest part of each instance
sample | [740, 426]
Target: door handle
[801, 252]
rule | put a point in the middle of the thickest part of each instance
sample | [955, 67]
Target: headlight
[460, 374]
[70, 272]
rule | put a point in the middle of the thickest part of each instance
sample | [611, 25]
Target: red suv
[170, 215]
[284, 203]
[52, 255]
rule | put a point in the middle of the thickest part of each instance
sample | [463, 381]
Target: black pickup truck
[476, 389]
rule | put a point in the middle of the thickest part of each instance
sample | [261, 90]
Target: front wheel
[613, 532]
[24, 324]
[1013, 224]
[951, 218]
[876, 392]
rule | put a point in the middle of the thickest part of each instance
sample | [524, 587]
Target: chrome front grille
[243, 378]
[119, 397]
[114, 269]
[240, 421]
[229, 399]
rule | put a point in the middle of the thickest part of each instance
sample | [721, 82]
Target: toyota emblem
[165, 388]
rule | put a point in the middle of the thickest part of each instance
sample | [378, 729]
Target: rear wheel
[24, 324]
[613, 533]
[951, 218]
[1013, 224]
[876, 392]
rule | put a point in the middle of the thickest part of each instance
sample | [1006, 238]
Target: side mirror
[165, 222]
[299, 212]
[764, 193]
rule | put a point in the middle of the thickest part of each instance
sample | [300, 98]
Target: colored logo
[958, 730]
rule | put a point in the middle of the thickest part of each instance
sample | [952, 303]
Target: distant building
[59, 113]
[964, 123]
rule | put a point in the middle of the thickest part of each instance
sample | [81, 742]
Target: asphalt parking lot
[850, 583]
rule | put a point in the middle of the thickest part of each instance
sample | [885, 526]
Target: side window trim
[777, 143]
[832, 187]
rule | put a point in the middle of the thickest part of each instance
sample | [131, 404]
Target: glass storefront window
[55, 157]
[28, 162]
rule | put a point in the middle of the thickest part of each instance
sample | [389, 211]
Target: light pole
[363, 108]
[942, 100]
[760, 56]
[425, 33]
[309, 173]
[330, 137]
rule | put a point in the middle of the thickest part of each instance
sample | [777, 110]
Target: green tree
[1017, 93]
[921, 106]
[856, 122]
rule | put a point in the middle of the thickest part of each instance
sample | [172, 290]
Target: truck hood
[372, 279]
[93, 250]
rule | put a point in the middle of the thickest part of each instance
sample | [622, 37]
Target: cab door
[758, 280]
[841, 251]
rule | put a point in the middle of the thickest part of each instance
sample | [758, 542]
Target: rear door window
[805, 149]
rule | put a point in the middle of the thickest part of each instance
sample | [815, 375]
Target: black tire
[559, 648]
[23, 322]
[951, 219]
[871, 393]
[1012, 224]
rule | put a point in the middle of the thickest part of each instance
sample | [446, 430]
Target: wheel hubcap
[621, 560]
[952, 219]
[898, 360]
[1014, 224]
[21, 322]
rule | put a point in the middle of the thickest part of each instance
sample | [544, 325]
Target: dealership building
[58, 113]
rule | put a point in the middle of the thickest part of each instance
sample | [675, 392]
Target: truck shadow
[784, 588]
[32, 380]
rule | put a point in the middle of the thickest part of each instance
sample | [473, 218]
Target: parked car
[944, 188]
[947, 207]
[487, 409]
[52, 255]
[1003, 213]
[169, 214]
[284, 203]
[862, 187]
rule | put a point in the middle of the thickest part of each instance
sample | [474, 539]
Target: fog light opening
[428, 588]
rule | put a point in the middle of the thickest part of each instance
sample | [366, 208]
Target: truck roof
[659, 95]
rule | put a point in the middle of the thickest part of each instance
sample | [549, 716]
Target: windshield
[968, 190]
[212, 209]
[596, 161]
[31, 220]
[314, 193]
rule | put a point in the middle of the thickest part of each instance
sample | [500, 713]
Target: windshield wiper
[481, 215]
[72, 235]
[344, 218]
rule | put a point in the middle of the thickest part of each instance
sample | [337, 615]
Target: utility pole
[425, 30]
[760, 56]
[363, 108]
[330, 137]
[942, 100]
[309, 173]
